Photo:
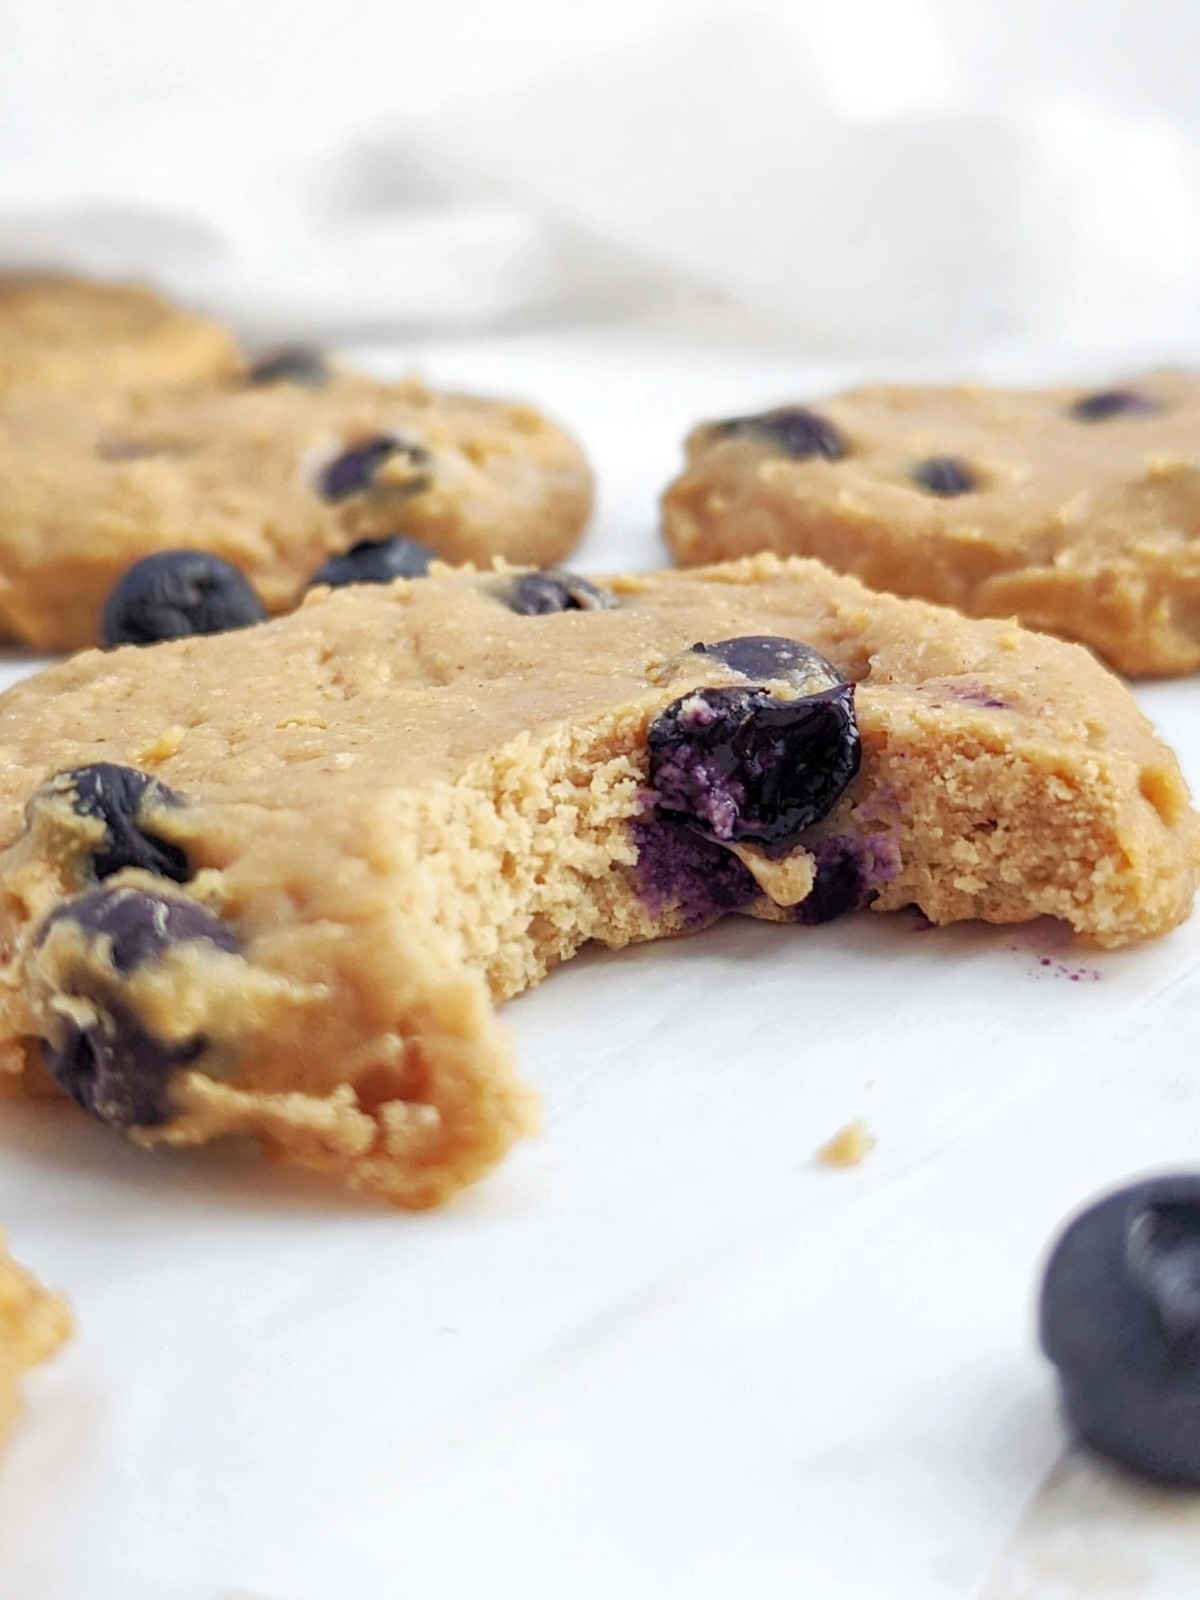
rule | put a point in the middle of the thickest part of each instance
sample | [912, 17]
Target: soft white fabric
[913, 176]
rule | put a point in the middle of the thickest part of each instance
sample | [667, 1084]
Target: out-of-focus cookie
[1076, 511]
[274, 471]
[33, 1323]
[59, 332]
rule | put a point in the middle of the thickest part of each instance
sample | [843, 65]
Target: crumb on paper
[848, 1146]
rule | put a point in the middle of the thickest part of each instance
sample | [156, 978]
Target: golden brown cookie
[1076, 511]
[272, 476]
[33, 1323]
[275, 881]
[64, 333]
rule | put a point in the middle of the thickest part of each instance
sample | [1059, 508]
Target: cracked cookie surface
[276, 881]
[1076, 511]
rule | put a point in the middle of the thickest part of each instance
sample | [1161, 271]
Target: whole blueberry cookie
[274, 881]
[64, 333]
[290, 473]
[33, 1323]
[1076, 511]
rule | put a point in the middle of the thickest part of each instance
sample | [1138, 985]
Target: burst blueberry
[944, 475]
[795, 431]
[1120, 1319]
[106, 1057]
[355, 471]
[293, 363]
[538, 594]
[743, 766]
[121, 798]
[176, 593]
[375, 561]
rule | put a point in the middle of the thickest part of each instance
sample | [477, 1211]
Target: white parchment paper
[660, 1352]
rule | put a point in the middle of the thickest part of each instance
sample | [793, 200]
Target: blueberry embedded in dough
[293, 363]
[1120, 1320]
[112, 1041]
[381, 463]
[124, 801]
[1108, 403]
[945, 476]
[768, 659]
[540, 594]
[795, 431]
[175, 594]
[374, 561]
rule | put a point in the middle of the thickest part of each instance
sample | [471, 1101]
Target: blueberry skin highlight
[174, 594]
[115, 796]
[768, 658]
[374, 561]
[540, 594]
[743, 766]
[114, 1068]
[1120, 1320]
[794, 431]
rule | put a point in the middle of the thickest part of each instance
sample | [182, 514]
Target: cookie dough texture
[93, 484]
[68, 334]
[1089, 529]
[33, 1323]
[409, 803]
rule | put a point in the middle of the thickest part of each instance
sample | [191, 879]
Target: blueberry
[764, 658]
[537, 594]
[113, 1066]
[117, 796]
[353, 472]
[1112, 403]
[375, 561]
[850, 873]
[944, 475]
[176, 593]
[291, 363]
[1120, 1319]
[740, 764]
[797, 432]
[678, 868]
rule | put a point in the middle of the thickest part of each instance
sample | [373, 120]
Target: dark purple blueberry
[739, 764]
[1113, 403]
[291, 363]
[678, 868]
[537, 594]
[119, 797]
[1120, 1319]
[354, 471]
[375, 561]
[944, 475]
[764, 658]
[113, 1066]
[796, 431]
[177, 593]
[850, 873]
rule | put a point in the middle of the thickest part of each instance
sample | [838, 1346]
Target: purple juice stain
[850, 873]
[678, 867]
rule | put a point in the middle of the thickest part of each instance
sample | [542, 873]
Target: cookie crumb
[848, 1147]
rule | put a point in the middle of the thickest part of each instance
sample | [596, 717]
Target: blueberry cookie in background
[67, 334]
[275, 881]
[276, 472]
[1076, 511]
[33, 1324]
